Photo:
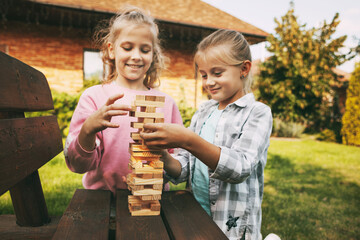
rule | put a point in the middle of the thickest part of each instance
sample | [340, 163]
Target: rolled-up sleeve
[238, 161]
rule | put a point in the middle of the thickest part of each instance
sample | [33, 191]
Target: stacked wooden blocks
[146, 180]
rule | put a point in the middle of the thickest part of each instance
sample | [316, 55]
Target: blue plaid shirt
[236, 186]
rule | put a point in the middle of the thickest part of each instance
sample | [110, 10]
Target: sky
[261, 13]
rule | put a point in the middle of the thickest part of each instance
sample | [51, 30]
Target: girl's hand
[101, 119]
[165, 135]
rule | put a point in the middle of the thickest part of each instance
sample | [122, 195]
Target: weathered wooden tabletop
[181, 217]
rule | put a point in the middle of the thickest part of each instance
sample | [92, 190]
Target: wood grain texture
[22, 88]
[186, 219]
[87, 216]
[139, 227]
[25, 145]
[10, 230]
[29, 203]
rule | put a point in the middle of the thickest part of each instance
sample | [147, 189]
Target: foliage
[296, 80]
[351, 119]
[64, 107]
[327, 135]
[185, 111]
[287, 129]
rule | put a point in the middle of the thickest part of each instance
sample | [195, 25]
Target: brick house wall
[58, 53]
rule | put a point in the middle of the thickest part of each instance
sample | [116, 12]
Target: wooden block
[150, 98]
[157, 164]
[146, 176]
[145, 169]
[140, 97]
[150, 197]
[160, 98]
[159, 120]
[138, 148]
[143, 103]
[147, 159]
[146, 115]
[157, 175]
[145, 191]
[155, 206]
[146, 154]
[139, 208]
[137, 125]
[148, 109]
[133, 108]
[158, 186]
[147, 120]
[135, 136]
[134, 180]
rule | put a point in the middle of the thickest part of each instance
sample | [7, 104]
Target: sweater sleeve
[238, 162]
[78, 159]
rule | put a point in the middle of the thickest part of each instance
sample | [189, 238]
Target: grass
[58, 183]
[312, 190]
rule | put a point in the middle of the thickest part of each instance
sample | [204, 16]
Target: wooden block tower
[146, 180]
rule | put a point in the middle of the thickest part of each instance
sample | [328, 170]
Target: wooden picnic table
[181, 217]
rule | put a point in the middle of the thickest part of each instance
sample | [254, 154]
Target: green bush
[185, 111]
[64, 107]
[351, 119]
[327, 135]
[287, 129]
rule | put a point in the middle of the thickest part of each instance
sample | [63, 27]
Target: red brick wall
[58, 53]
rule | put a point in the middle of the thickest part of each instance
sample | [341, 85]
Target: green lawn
[312, 190]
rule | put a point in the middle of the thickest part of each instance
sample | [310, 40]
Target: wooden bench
[26, 144]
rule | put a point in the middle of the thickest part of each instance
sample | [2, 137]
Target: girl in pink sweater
[99, 134]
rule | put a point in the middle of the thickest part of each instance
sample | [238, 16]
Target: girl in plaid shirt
[224, 151]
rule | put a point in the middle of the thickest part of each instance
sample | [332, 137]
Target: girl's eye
[217, 74]
[145, 50]
[127, 48]
[204, 76]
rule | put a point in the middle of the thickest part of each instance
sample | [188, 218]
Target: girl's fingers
[113, 113]
[113, 98]
[148, 135]
[119, 107]
[151, 127]
[111, 125]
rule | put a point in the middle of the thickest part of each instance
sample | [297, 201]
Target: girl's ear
[245, 68]
[111, 50]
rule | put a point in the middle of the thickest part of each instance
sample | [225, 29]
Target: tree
[296, 80]
[351, 120]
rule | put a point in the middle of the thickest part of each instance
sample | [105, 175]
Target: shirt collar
[245, 100]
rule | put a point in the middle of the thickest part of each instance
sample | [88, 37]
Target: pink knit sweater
[105, 166]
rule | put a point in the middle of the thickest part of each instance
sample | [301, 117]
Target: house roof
[341, 75]
[187, 12]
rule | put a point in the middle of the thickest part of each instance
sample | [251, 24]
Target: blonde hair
[108, 33]
[230, 47]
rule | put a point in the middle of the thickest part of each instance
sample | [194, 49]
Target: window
[93, 66]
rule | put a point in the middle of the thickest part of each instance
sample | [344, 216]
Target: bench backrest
[26, 144]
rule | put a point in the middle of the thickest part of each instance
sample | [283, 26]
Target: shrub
[287, 129]
[351, 119]
[327, 135]
[185, 111]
